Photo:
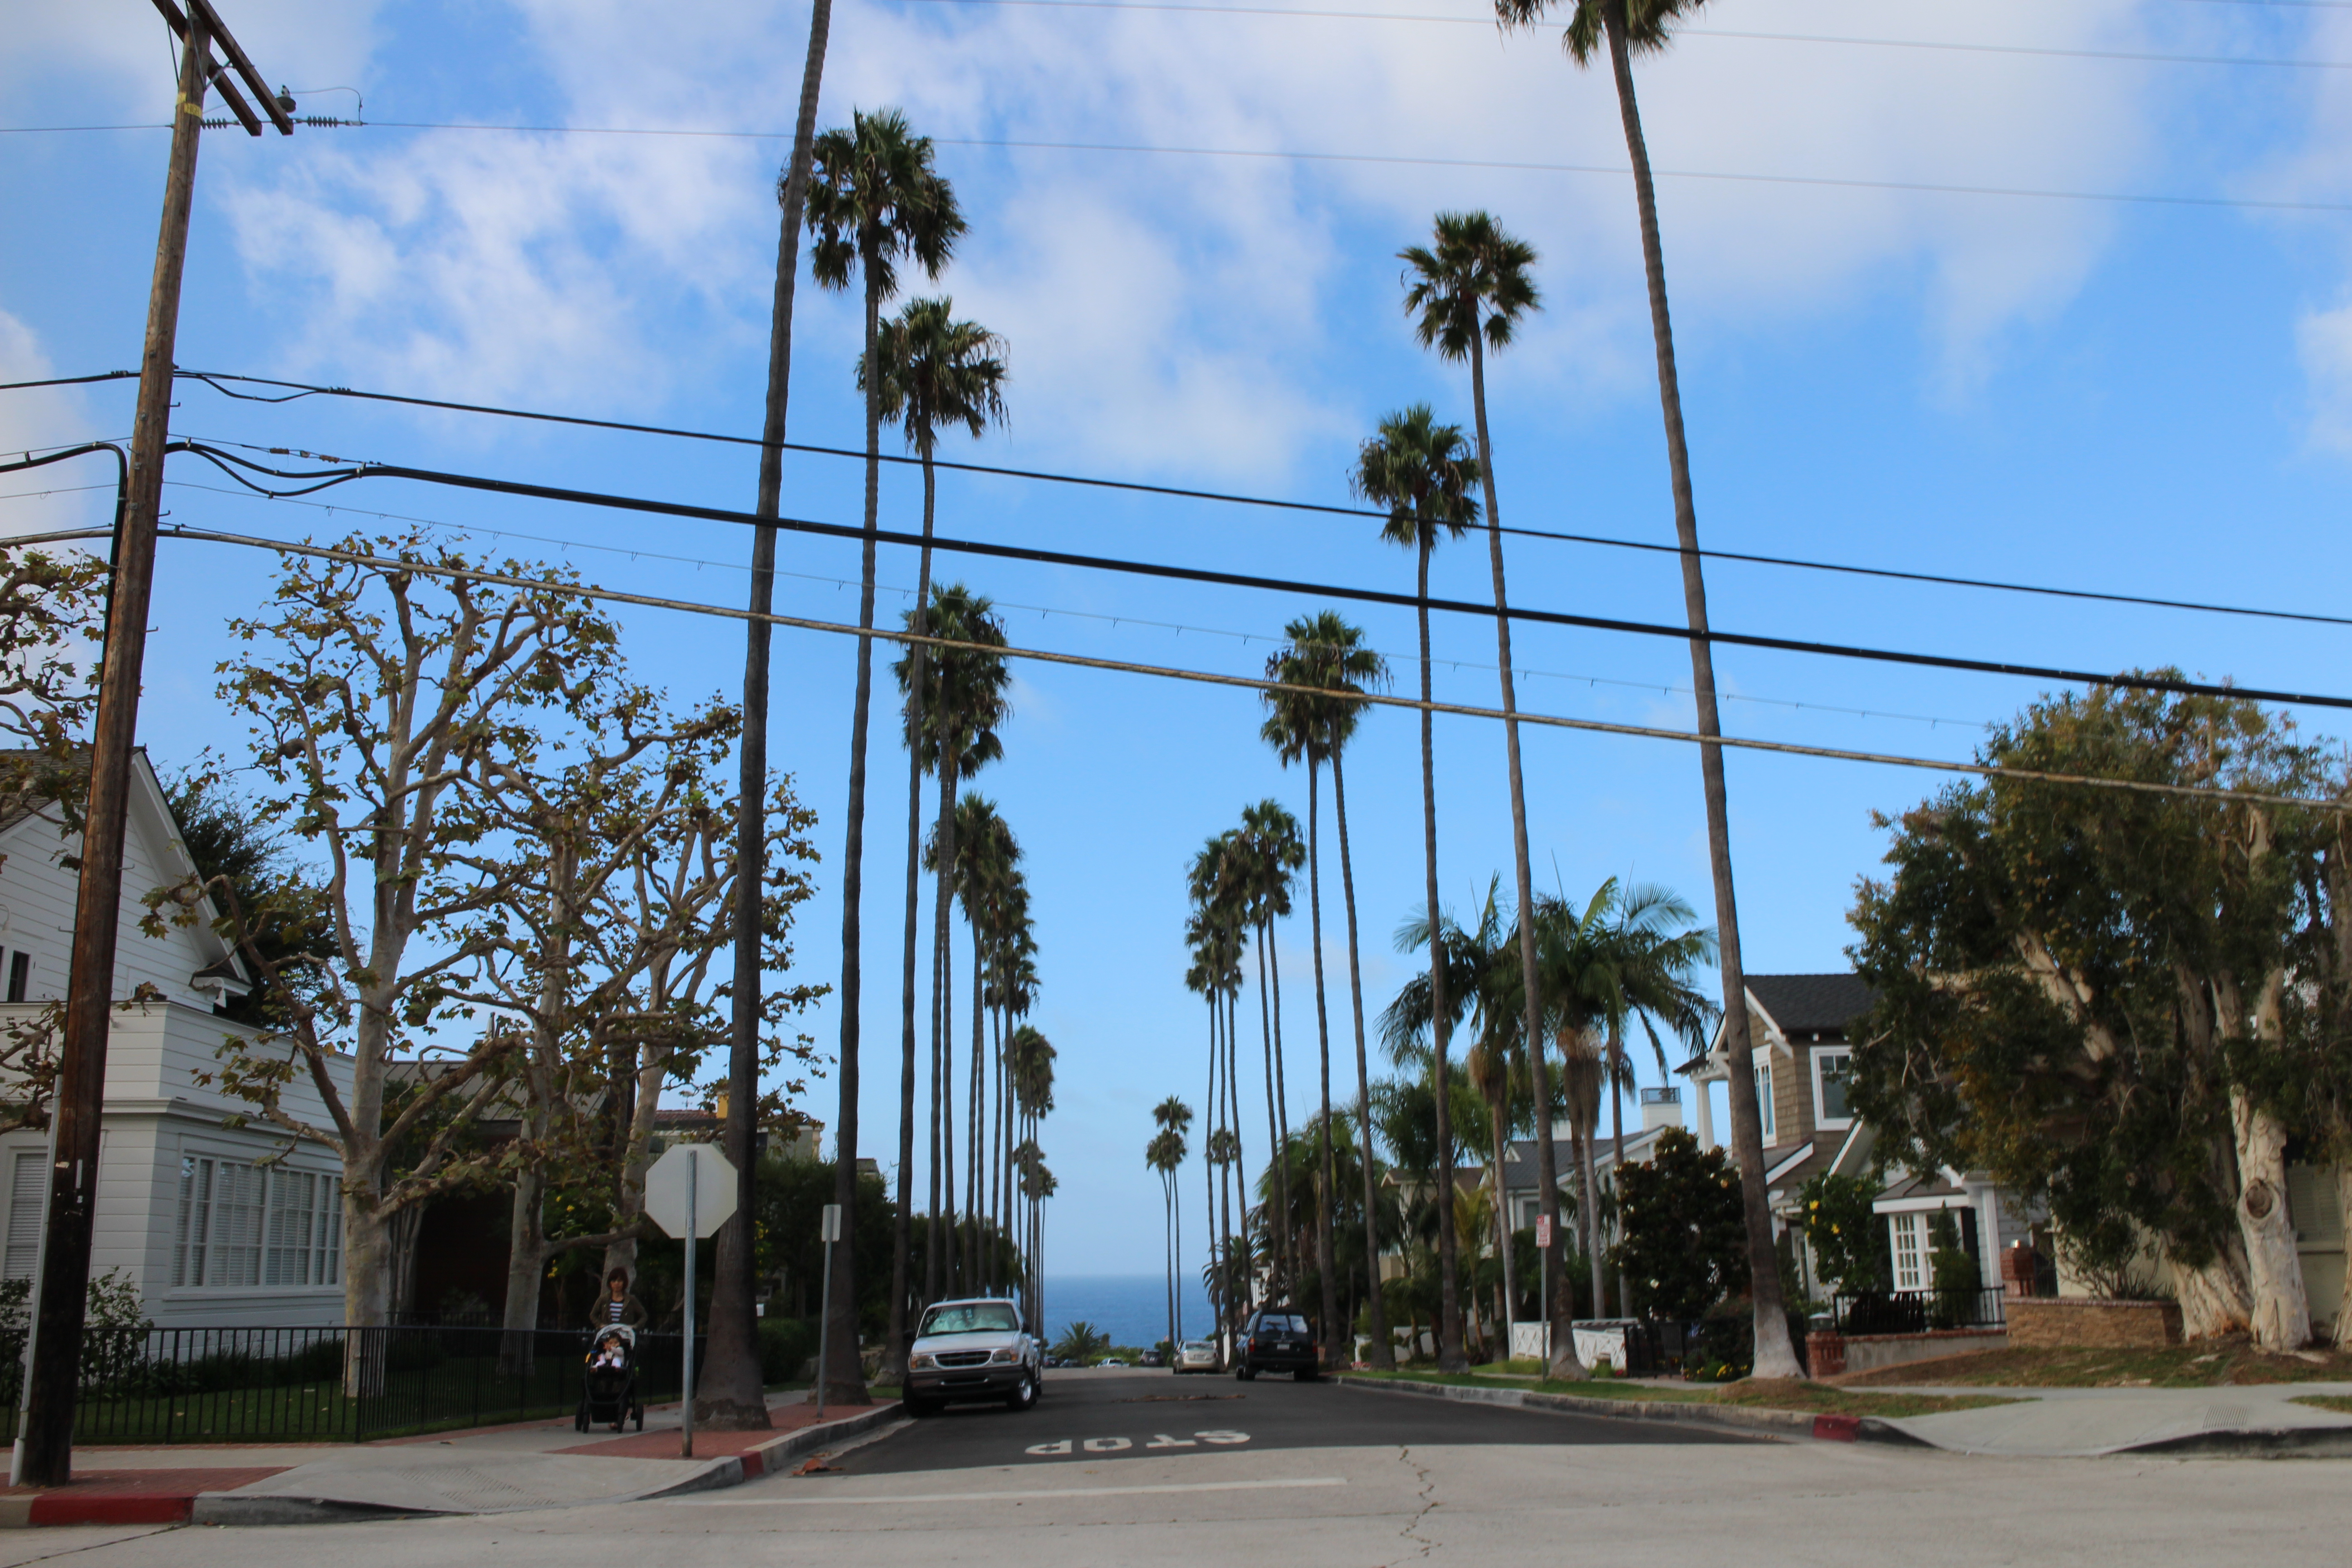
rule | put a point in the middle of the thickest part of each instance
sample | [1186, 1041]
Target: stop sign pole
[675, 1201]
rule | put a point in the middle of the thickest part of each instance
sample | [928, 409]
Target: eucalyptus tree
[1623, 29]
[1320, 675]
[1420, 471]
[1467, 290]
[874, 199]
[933, 372]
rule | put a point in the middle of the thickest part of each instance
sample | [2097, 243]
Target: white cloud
[46, 416]
[1196, 313]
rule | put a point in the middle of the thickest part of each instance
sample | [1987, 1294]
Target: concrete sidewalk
[547, 1464]
[2252, 1419]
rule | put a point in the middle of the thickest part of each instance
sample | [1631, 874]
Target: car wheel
[1023, 1396]
[1248, 1373]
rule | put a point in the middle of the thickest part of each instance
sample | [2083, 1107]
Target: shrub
[786, 1345]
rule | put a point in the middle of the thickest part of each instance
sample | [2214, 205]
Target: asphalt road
[1093, 1418]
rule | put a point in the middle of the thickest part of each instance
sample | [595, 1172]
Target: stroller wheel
[579, 1419]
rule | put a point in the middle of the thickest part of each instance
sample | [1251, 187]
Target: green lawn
[1820, 1399]
[2208, 1365]
[2337, 1402]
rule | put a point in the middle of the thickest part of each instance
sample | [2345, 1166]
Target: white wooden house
[218, 1226]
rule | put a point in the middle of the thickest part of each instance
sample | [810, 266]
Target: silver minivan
[974, 1349]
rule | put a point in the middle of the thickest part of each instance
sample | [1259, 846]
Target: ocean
[1132, 1308]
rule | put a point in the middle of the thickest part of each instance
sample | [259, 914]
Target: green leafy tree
[1848, 1240]
[1421, 472]
[2120, 1004]
[1682, 1234]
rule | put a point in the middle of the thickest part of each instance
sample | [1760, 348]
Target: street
[1323, 1474]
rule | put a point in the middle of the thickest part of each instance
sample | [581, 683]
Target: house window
[27, 1205]
[239, 1225]
[1910, 1250]
[1833, 1071]
[20, 976]
[1764, 1098]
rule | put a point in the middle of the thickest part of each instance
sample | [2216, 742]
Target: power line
[303, 389]
[2141, 57]
[1180, 627]
[230, 463]
[1213, 677]
[1909, 187]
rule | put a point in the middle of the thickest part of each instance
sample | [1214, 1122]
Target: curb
[1779, 1424]
[728, 1471]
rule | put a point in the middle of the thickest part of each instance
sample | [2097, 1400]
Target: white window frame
[1911, 1226]
[1821, 1117]
[239, 1226]
[1762, 1059]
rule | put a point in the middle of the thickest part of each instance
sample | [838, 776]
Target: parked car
[1278, 1340]
[1196, 1356]
[1152, 1358]
[974, 1349]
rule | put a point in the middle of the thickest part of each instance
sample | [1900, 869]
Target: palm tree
[1419, 471]
[873, 197]
[1031, 1060]
[935, 372]
[1270, 853]
[953, 732]
[986, 857]
[1624, 29]
[1470, 289]
[1165, 1154]
[1215, 930]
[1175, 1119]
[732, 1374]
[1323, 671]
[1619, 954]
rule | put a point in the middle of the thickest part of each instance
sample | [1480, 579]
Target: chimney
[718, 1107]
[1661, 1107]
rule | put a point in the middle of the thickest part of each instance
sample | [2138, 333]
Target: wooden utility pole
[45, 1458]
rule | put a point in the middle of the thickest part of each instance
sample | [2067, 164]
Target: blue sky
[2137, 397]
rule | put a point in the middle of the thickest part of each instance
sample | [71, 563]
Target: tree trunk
[366, 1284]
[1617, 1135]
[942, 988]
[2282, 1316]
[1335, 1329]
[972, 1118]
[1775, 1355]
[1278, 1202]
[1281, 1110]
[1449, 1300]
[733, 1370]
[2343, 1208]
[1381, 1353]
[2214, 1298]
[636, 1158]
[526, 1267]
[1503, 1232]
[892, 1371]
[1216, 1280]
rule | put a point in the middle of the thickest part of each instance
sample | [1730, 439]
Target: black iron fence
[216, 1385]
[1919, 1311]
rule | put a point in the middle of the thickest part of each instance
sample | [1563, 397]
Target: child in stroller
[608, 1388]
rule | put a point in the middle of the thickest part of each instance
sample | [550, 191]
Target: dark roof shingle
[1812, 1001]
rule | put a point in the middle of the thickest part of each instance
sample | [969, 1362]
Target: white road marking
[1164, 1441]
[1011, 1496]
[1107, 1445]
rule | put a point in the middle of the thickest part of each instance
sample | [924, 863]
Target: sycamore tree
[2122, 1004]
[385, 706]
[52, 613]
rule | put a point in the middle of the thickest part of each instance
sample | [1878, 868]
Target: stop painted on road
[1159, 1441]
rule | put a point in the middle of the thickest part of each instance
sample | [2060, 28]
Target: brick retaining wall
[2081, 1323]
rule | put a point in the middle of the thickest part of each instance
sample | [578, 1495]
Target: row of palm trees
[874, 199]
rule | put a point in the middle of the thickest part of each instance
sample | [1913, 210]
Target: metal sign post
[828, 1232]
[689, 1193]
[685, 1377]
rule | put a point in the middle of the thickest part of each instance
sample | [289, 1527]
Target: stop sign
[690, 1167]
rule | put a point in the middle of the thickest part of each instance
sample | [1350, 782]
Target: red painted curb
[1838, 1428]
[138, 1508]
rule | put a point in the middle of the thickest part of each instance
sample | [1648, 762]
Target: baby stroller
[608, 1389]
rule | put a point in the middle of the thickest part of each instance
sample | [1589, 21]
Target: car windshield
[1276, 1323]
[971, 1317]
[1199, 1347]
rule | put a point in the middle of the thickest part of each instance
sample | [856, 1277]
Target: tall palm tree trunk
[971, 1124]
[1282, 1108]
[1209, 1174]
[1335, 1329]
[894, 1347]
[1564, 1362]
[943, 847]
[1594, 1226]
[1775, 1357]
[1279, 1201]
[1450, 1356]
[1176, 1276]
[1503, 1233]
[1381, 1353]
[1236, 1242]
[731, 1325]
[1617, 1137]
